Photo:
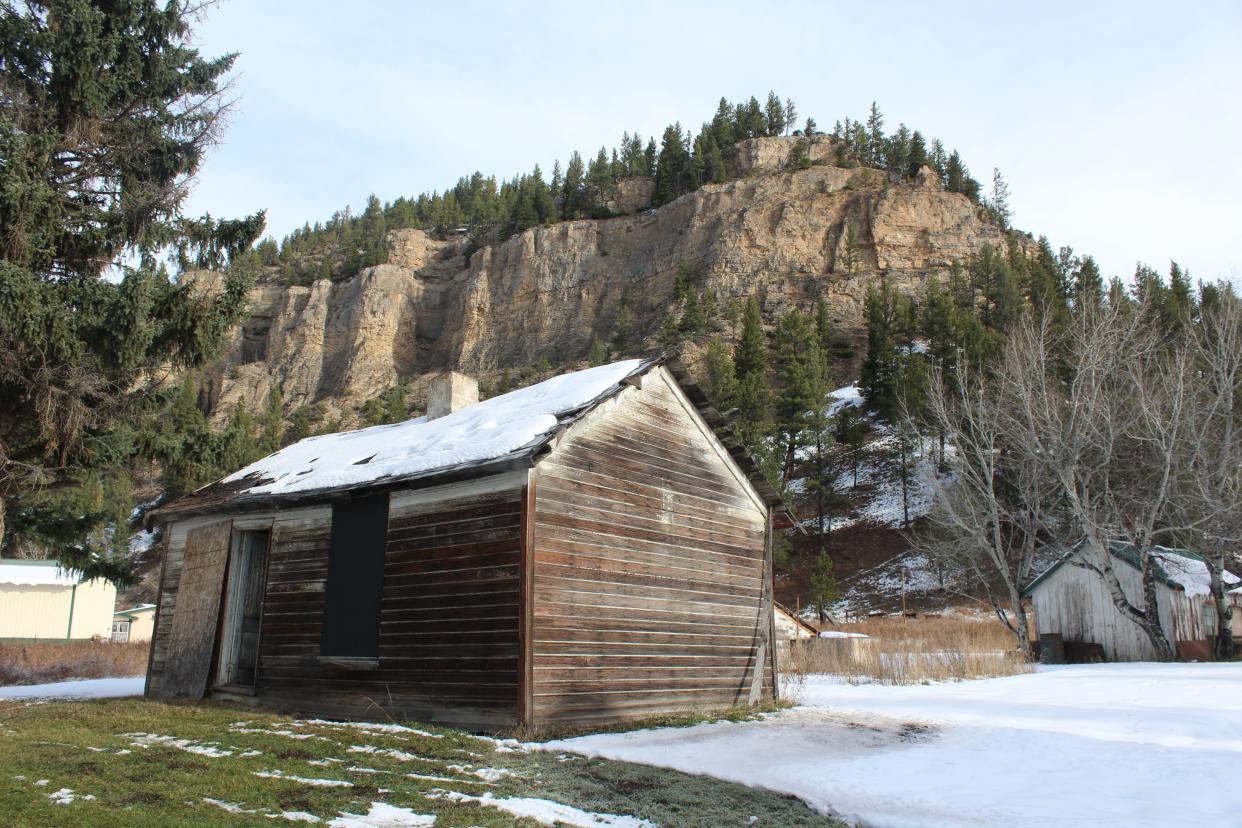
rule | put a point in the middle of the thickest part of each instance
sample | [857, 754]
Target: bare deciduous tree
[1213, 501]
[987, 517]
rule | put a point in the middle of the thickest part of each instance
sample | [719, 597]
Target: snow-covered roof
[1177, 568]
[505, 432]
[135, 610]
[37, 573]
[483, 431]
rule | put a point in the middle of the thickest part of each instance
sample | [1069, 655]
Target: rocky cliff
[547, 293]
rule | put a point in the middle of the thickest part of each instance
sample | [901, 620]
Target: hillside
[546, 295]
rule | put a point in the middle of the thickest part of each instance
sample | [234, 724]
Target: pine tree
[822, 584]
[750, 355]
[998, 201]
[917, 157]
[272, 426]
[396, 409]
[598, 354]
[791, 115]
[1088, 283]
[802, 386]
[681, 281]
[692, 320]
[625, 326]
[720, 381]
[753, 396]
[875, 137]
[671, 166]
[734, 316]
[879, 373]
[670, 332]
[573, 192]
[774, 115]
[108, 113]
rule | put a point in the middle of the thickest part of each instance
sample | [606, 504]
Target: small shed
[791, 627]
[133, 624]
[43, 601]
[589, 549]
[1072, 601]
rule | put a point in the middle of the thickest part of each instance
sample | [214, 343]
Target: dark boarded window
[351, 616]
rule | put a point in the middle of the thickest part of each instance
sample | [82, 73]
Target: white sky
[1117, 125]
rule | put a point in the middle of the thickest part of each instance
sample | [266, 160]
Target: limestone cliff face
[784, 236]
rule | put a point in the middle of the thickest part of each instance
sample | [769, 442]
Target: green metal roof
[1124, 552]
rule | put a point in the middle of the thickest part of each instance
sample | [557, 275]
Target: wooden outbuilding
[590, 549]
[133, 624]
[1073, 606]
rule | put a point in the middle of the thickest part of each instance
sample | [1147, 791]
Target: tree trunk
[1151, 613]
[1148, 618]
[1222, 643]
[819, 486]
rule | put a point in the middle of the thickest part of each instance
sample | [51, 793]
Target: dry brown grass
[909, 651]
[47, 661]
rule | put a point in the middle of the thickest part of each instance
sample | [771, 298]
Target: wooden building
[1072, 602]
[43, 601]
[589, 549]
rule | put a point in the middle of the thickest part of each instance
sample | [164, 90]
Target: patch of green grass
[147, 763]
[731, 714]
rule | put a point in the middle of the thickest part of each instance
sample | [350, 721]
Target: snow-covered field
[85, 689]
[1088, 745]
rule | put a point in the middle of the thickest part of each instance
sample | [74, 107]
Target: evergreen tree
[692, 320]
[681, 281]
[1088, 283]
[671, 166]
[108, 113]
[998, 201]
[272, 426]
[917, 158]
[791, 115]
[753, 395]
[750, 355]
[879, 375]
[573, 193]
[720, 381]
[625, 326]
[734, 316]
[875, 137]
[670, 332]
[598, 355]
[802, 385]
[822, 584]
[774, 115]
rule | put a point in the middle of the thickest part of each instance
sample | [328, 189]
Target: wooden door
[192, 639]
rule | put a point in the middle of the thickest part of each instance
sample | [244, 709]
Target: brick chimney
[451, 392]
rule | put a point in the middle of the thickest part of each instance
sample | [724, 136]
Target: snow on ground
[547, 812]
[485, 430]
[848, 397]
[382, 814]
[86, 689]
[1087, 745]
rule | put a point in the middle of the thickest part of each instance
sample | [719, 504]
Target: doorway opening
[243, 609]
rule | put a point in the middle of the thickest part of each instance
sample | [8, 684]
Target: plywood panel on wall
[192, 635]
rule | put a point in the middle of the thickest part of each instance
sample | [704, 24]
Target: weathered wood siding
[1075, 603]
[448, 648]
[649, 572]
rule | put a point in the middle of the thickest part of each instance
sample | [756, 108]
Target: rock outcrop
[786, 237]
